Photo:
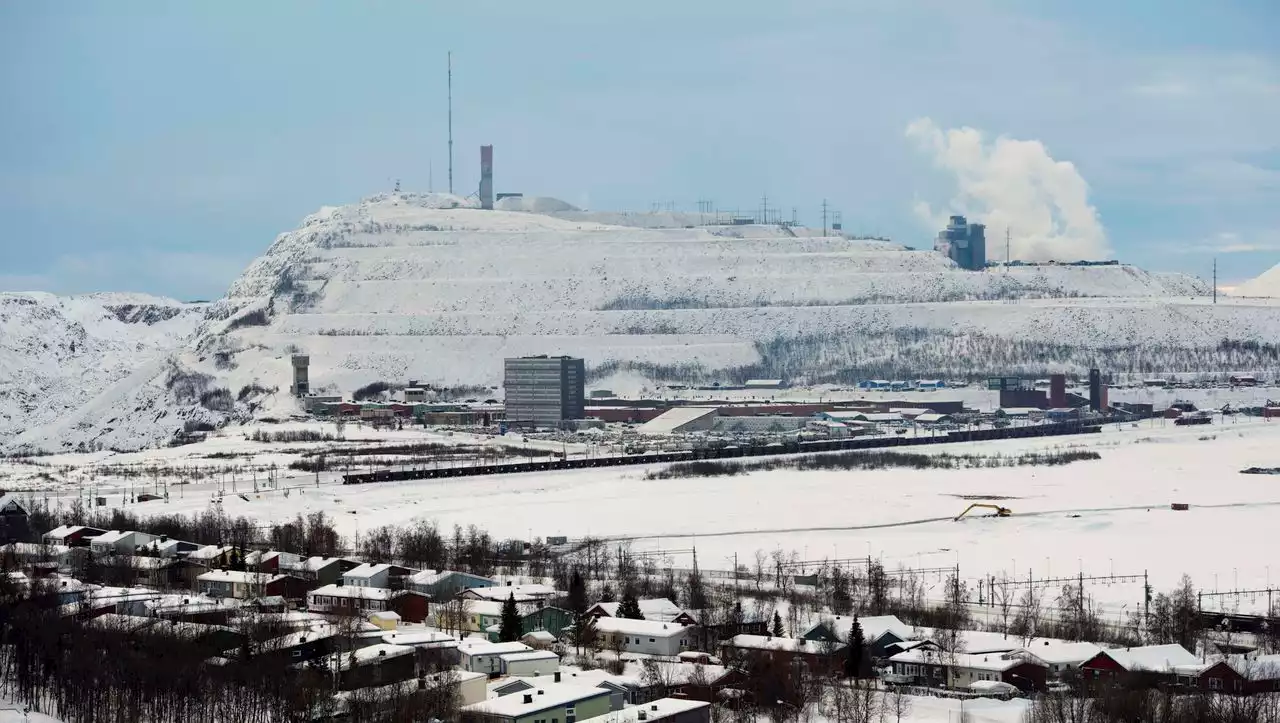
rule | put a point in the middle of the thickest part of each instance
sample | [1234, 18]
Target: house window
[1215, 684]
[651, 640]
[297, 653]
[570, 714]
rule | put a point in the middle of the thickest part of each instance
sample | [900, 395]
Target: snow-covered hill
[57, 353]
[1267, 285]
[428, 287]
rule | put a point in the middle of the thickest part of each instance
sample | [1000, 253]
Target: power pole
[764, 208]
[450, 121]
[824, 217]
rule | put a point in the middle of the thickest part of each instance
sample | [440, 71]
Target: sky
[160, 146]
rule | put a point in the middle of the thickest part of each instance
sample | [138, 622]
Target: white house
[349, 599]
[123, 542]
[482, 656]
[372, 575]
[659, 608]
[648, 637]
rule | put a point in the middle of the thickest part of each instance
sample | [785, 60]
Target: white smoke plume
[1016, 185]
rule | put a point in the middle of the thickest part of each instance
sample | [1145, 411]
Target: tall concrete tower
[301, 377]
[486, 177]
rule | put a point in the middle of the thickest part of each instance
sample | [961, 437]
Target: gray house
[374, 575]
[878, 632]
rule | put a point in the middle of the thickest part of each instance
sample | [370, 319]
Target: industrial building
[964, 243]
[544, 391]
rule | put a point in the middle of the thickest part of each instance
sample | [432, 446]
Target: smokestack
[1057, 391]
[486, 177]
[1095, 390]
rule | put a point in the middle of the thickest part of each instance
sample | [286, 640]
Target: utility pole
[824, 217]
[450, 121]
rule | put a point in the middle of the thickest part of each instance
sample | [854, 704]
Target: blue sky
[159, 147]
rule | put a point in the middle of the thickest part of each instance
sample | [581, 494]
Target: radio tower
[450, 121]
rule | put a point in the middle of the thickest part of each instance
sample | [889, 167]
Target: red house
[1218, 677]
[1157, 664]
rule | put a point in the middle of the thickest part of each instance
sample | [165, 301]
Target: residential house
[960, 671]
[819, 656]
[376, 575]
[1059, 658]
[563, 702]
[1262, 672]
[373, 665]
[522, 593]
[14, 520]
[529, 662]
[360, 600]
[120, 542]
[878, 632]
[1216, 676]
[168, 547]
[270, 560]
[549, 619]
[318, 571]
[155, 572]
[193, 608]
[215, 556]
[648, 637]
[119, 600]
[659, 608]
[243, 585]
[481, 656]
[480, 616]
[298, 647]
[1152, 664]
[29, 554]
[71, 535]
[667, 710]
[444, 584]
[469, 687]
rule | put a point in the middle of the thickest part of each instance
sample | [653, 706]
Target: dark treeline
[89, 672]
[869, 460]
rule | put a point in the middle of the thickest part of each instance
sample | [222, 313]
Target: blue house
[444, 584]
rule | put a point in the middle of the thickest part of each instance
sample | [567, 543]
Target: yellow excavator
[999, 511]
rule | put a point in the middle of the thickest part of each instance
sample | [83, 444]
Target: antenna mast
[450, 121]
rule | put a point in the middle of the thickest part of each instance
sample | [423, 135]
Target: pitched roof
[502, 592]
[627, 626]
[975, 661]
[238, 576]
[546, 697]
[873, 626]
[10, 499]
[790, 645]
[355, 591]
[1152, 658]
[479, 646]
[1062, 653]
[367, 570]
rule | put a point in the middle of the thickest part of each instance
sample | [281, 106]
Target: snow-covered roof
[238, 576]
[209, 552]
[932, 417]
[61, 532]
[1256, 667]
[520, 592]
[113, 536]
[1062, 653]
[419, 637]
[1152, 658]
[354, 591]
[675, 418]
[11, 499]
[790, 645]
[529, 655]
[995, 662]
[479, 646]
[539, 636]
[547, 696]
[658, 608]
[366, 570]
[651, 628]
[656, 710]
[431, 577]
[873, 626]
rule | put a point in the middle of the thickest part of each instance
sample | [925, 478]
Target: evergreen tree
[606, 595]
[577, 594]
[778, 631]
[855, 661]
[630, 608]
[509, 626]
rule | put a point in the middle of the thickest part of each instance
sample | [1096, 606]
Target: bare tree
[1002, 594]
[897, 704]
[1027, 622]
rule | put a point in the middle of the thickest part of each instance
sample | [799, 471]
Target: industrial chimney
[486, 177]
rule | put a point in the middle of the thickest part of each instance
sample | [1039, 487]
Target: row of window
[346, 602]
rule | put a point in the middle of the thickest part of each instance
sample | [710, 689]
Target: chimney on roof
[382, 653]
[528, 698]
[653, 706]
[557, 677]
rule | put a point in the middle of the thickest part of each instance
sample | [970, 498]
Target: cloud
[1016, 185]
[1230, 242]
[1165, 88]
[182, 275]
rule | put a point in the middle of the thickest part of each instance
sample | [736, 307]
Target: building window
[1215, 684]
[297, 653]
[570, 714]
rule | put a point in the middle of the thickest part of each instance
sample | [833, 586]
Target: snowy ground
[1098, 517]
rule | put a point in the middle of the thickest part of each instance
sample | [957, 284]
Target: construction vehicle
[999, 511]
